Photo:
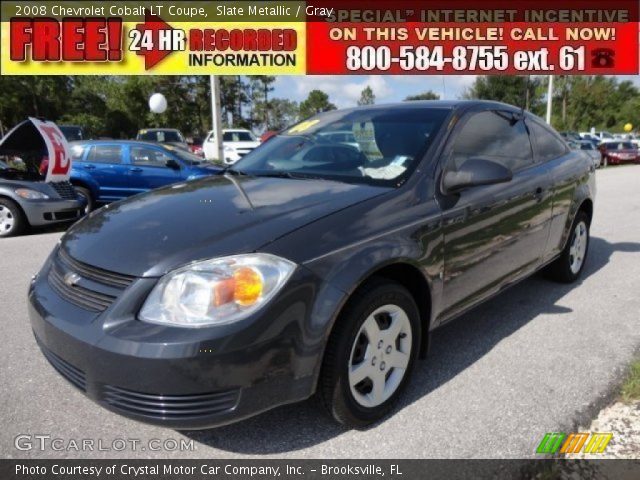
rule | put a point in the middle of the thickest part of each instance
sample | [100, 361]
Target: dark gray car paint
[338, 234]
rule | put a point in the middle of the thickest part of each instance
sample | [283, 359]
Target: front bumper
[179, 377]
[47, 212]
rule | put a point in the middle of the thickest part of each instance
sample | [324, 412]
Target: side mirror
[173, 164]
[475, 172]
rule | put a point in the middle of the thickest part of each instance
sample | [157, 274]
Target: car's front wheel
[85, 194]
[370, 354]
[12, 221]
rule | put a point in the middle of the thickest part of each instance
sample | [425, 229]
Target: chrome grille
[96, 274]
[95, 289]
[83, 297]
[65, 190]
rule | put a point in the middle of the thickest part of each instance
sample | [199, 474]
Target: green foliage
[367, 97]
[631, 386]
[579, 102]
[117, 106]
[514, 90]
[316, 102]
[428, 95]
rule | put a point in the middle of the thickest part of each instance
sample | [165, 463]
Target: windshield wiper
[232, 171]
[291, 175]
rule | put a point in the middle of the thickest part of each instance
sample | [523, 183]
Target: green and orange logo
[557, 442]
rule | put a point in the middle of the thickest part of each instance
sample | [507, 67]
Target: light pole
[549, 99]
[216, 116]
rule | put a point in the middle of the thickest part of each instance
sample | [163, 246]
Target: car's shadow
[455, 347]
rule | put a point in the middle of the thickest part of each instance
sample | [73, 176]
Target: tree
[283, 113]
[428, 95]
[367, 97]
[516, 90]
[316, 102]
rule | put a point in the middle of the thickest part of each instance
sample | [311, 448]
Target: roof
[116, 141]
[447, 104]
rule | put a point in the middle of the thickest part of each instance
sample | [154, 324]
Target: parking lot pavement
[541, 357]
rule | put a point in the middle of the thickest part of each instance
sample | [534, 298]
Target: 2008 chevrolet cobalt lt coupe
[320, 263]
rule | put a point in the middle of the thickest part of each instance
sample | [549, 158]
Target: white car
[236, 143]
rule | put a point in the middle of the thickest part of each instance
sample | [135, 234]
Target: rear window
[619, 146]
[549, 145]
[238, 137]
[162, 136]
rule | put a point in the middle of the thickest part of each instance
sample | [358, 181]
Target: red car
[196, 147]
[617, 152]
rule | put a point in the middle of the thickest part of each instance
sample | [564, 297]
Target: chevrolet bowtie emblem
[71, 279]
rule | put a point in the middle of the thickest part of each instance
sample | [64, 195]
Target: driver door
[493, 234]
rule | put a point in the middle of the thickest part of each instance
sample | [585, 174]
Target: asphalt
[541, 357]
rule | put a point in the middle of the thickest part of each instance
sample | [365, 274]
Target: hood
[158, 231]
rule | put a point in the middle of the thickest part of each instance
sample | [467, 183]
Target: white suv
[236, 143]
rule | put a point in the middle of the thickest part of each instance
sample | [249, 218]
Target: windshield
[71, 133]
[162, 136]
[376, 146]
[238, 136]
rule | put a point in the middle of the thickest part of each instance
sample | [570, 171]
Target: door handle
[89, 167]
[135, 169]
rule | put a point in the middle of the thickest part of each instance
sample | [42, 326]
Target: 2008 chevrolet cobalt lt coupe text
[320, 263]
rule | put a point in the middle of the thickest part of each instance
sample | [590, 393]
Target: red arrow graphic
[153, 55]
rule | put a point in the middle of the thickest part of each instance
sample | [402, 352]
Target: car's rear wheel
[370, 354]
[85, 194]
[569, 265]
[12, 221]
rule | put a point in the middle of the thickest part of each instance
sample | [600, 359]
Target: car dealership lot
[538, 358]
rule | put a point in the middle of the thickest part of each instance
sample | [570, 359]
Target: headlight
[29, 194]
[216, 291]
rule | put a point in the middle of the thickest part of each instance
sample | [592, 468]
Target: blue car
[108, 170]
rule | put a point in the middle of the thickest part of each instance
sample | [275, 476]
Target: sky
[344, 90]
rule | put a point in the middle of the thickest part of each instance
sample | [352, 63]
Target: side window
[548, 145]
[495, 135]
[149, 157]
[105, 154]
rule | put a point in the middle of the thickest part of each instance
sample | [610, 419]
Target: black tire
[561, 268]
[86, 194]
[16, 223]
[334, 389]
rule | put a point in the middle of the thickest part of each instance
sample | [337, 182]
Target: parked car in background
[195, 146]
[236, 143]
[589, 150]
[267, 135]
[617, 152]
[26, 200]
[72, 132]
[571, 135]
[105, 171]
[170, 136]
[313, 266]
